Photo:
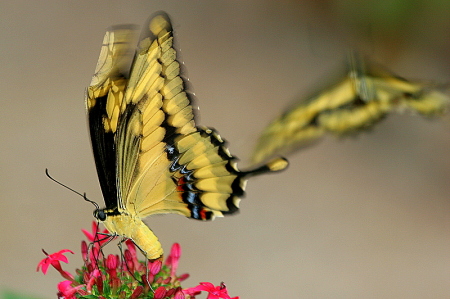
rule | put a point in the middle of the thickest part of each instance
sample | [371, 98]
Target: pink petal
[84, 250]
[175, 251]
[67, 290]
[64, 285]
[179, 295]
[155, 267]
[206, 286]
[174, 255]
[137, 292]
[44, 265]
[59, 256]
[96, 273]
[111, 262]
[183, 277]
[160, 292]
[88, 235]
[131, 247]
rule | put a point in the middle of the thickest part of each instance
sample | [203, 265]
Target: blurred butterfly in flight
[150, 155]
[355, 102]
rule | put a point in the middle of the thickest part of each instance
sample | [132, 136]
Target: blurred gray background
[366, 217]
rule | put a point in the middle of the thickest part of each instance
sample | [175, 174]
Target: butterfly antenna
[76, 192]
[92, 202]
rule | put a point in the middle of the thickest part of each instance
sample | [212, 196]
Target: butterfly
[357, 101]
[150, 155]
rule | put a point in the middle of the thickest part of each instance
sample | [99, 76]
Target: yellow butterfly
[151, 158]
[360, 99]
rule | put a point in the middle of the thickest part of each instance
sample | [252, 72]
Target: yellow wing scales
[149, 88]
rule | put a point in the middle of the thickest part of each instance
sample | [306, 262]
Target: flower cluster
[124, 276]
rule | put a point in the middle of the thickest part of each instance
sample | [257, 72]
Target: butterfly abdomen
[135, 229]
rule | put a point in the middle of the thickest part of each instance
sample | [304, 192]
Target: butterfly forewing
[157, 108]
[103, 100]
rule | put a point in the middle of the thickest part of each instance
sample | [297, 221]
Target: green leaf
[8, 294]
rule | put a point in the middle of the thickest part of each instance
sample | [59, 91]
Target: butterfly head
[100, 214]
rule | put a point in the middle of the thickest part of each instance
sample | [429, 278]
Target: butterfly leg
[130, 259]
[108, 238]
[124, 239]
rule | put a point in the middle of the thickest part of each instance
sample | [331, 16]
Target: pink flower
[179, 295]
[124, 276]
[173, 258]
[155, 267]
[84, 250]
[93, 279]
[133, 254]
[112, 261]
[66, 290]
[214, 292]
[129, 260]
[54, 260]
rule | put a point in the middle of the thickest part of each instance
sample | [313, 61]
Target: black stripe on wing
[103, 100]
[180, 90]
[188, 193]
[104, 152]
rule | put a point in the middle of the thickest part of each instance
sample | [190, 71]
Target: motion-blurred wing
[356, 102]
[104, 97]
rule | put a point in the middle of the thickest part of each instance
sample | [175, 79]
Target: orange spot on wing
[180, 184]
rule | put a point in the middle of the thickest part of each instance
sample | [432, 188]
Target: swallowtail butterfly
[150, 155]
